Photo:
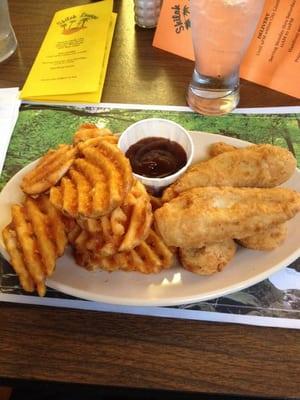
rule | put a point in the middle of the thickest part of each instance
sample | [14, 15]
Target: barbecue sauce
[156, 157]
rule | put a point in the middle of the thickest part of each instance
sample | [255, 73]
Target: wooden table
[132, 351]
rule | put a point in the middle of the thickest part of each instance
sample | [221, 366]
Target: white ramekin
[158, 127]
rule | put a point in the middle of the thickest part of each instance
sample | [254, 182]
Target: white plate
[175, 286]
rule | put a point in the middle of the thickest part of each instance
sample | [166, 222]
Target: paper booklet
[72, 61]
[273, 57]
[273, 302]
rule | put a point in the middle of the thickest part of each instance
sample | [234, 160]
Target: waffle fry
[122, 230]
[96, 184]
[49, 170]
[90, 131]
[150, 256]
[34, 239]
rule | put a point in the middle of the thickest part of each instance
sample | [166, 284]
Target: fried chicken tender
[268, 239]
[49, 170]
[97, 183]
[34, 240]
[206, 215]
[220, 147]
[208, 259]
[254, 166]
[150, 256]
[89, 131]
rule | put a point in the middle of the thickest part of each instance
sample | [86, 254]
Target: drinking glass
[221, 33]
[146, 12]
[8, 41]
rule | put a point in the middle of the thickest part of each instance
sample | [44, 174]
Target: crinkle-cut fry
[69, 196]
[72, 229]
[125, 227]
[99, 187]
[89, 131]
[64, 197]
[156, 242]
[117, 157]
[83, 189]
[151, 256]
[56, 197]
[114, 178]
[49, 170]
[34, 242]
[118, 219]
[28, 244]
[40, 228]
[41, 289]
[10, 241]
[112, 139]
[136, 230]
[93, 174]
[55, 222]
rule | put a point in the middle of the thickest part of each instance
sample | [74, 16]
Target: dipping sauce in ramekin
[156, 157]
[154, 130]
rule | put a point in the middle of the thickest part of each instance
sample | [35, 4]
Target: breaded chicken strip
[266, 240]
[220, 147]
[254, 166]
[208, 259]
[207, 215]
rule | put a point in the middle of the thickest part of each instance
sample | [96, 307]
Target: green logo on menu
[75, 23]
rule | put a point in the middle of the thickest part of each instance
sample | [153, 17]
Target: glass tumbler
[8, 41]
[146, 12]
[221, 33]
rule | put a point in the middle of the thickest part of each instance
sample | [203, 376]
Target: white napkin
[9, 111]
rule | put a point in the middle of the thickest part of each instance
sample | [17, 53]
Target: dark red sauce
[156, 157]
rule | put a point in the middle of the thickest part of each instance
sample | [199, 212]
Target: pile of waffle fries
[84, 195]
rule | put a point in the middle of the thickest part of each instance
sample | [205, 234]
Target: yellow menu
[72, 61]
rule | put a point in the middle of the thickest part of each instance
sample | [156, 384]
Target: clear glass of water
[221, 33]
[8, 41]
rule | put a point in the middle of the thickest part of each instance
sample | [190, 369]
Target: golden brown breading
[208, 259]
[220, 147]
[254, 166]
[266, 240]
[207, 215]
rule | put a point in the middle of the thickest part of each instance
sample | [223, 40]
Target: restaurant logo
[181, 17]
[75, 23]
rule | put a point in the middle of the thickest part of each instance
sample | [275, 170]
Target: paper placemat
[273, 302]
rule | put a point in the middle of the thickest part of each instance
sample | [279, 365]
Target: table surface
[125, 350]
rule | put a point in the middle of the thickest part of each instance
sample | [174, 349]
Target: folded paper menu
[72, 61]
[273, 57]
